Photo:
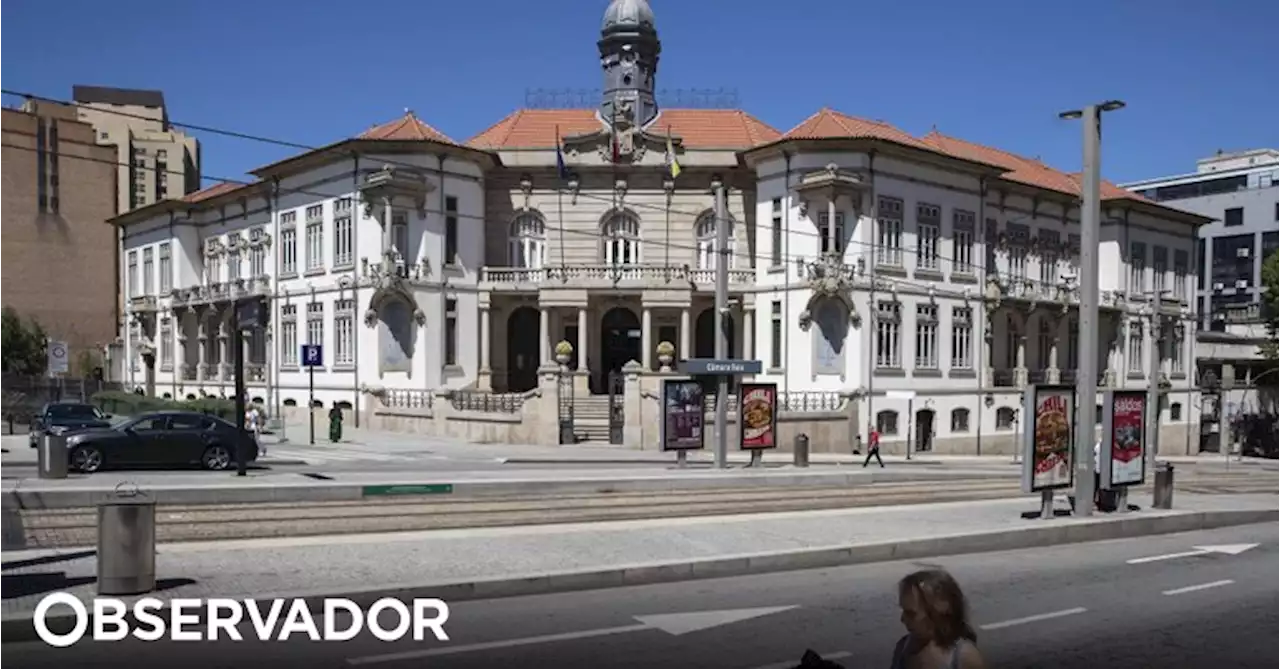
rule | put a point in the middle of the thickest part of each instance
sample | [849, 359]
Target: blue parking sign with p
[312, 356]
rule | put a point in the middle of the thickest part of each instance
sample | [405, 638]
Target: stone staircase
[591, 418]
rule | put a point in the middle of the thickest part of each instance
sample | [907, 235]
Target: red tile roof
[831, 124]
[696, 128]
[406, 128]
[212, 192]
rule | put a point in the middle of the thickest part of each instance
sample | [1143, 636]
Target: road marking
[1224, 549]
[1033, 619]
[1196, 588]
[675, 624]
[791, 663]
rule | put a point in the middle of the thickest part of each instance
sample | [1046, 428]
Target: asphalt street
[1176, 601]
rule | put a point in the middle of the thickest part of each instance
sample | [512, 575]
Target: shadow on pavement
[48, 559]
[25, 585]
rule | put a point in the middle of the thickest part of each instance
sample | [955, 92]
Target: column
[202, 345]
[646, 337]
[484, 339]
[1021, 371]
[831, 221]
[544, 335]
[748, 333]
[582, 340]
[1055, 374]
[386, 225]
[684, 352]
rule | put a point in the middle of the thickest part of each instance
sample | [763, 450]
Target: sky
[1196, 76]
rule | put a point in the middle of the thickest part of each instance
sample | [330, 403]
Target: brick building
[60, 259]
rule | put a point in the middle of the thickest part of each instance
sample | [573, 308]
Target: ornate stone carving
[526, 188]
[573, 184]
[828, 278]
[620, 189]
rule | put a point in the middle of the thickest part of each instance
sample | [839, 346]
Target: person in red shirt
[873, 446]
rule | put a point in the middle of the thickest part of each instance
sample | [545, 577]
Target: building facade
[58, 265]
[863, 260]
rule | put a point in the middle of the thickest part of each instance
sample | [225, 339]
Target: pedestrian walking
[936, 616]
[873, 447]
[335, 423]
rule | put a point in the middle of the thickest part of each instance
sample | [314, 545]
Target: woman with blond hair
[936, 616]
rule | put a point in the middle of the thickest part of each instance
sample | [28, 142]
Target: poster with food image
[683, 413]
[1128, 412]
[1052, 431]
[758, 415]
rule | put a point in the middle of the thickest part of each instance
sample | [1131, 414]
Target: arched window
[1005, 418]
[528, 239]
[829, 337]
[621, 236]
[887, 422]
[960, 420]
[704, 231]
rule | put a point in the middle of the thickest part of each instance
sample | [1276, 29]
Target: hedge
[130, 404]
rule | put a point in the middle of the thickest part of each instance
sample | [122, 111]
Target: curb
[339, 491]
[19, 628]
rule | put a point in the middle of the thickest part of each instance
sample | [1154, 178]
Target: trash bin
[126, 543]
[1162, 498]
[52, 456]
[802, 450]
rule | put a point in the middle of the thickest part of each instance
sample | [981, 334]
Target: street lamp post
[1090, 224]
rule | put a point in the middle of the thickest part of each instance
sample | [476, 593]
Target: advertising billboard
[1048, 438]
[1123, 450]
[758, 416]
[683, 414]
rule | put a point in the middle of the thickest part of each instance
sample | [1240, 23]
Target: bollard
[52, 457]
[802, 450]
[126, 543]
[1162, 497]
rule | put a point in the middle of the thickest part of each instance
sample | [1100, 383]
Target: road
[1149, 602]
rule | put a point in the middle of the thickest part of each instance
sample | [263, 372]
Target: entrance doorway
[620, 342]
[924, 430]
[523, 328]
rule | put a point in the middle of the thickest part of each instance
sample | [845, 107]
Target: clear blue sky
[1198, 76]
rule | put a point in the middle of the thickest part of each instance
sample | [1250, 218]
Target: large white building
[864, 260]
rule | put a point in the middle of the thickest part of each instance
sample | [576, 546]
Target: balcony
[608, 276]
[143, 303]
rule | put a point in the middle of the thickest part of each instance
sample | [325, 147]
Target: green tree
[1271, 303]
[23, 344]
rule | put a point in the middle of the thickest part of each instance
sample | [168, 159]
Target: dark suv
[65, 418]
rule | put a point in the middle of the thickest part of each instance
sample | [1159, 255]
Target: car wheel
[87, 459]
[216, 458]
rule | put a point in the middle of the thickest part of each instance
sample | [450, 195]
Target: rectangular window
[288, 243]
[1176, 361]
[888, 344]
[1050, 244]
[257, 254]
[1135, 347]
[451, 332]
[166, 268]
[962, 338]
[1181, 289]
[166, 343]
[1233, 217]
[344, 318]
[926, 336]
[148, 272]
[315, 323]
[832, 240]
[775, 336]
[400, 233]
[1073, 345]
[315, 237]
[132, 277]
[889, 232]
[1159, 265]
[928, 221]
[1137, 268]
[962, 223]
[775, 258]
[212, 266]
[289, 347]
[450, 230]
[233, 256]
[343, 241]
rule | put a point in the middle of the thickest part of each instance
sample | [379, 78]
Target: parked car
[160, 438]
[65, 417]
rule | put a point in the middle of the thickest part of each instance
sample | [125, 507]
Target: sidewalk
[460, 564]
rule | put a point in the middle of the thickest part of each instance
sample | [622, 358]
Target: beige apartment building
[157, 162]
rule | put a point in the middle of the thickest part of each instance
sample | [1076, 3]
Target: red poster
[1052, 454]
[1128, 413]
[757, 413]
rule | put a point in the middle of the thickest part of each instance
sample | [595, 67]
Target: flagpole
[560, 202]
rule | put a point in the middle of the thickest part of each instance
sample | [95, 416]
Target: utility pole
[1153, 383]
[1090, 225]
[237, 342]
[722, 310]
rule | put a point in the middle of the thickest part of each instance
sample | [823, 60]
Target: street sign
[312, 355]
[58, 363]
[252, 313]
[720, 367]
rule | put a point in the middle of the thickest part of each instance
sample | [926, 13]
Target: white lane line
[1033, 619]
[492, 645]
[791, 663]
[1195, 588]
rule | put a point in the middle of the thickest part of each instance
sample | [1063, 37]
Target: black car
[66, 417]
[173, 438]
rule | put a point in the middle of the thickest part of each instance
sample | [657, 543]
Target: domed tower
[629, 49]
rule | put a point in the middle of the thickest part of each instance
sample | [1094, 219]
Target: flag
[672, 163]
[561, 169]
